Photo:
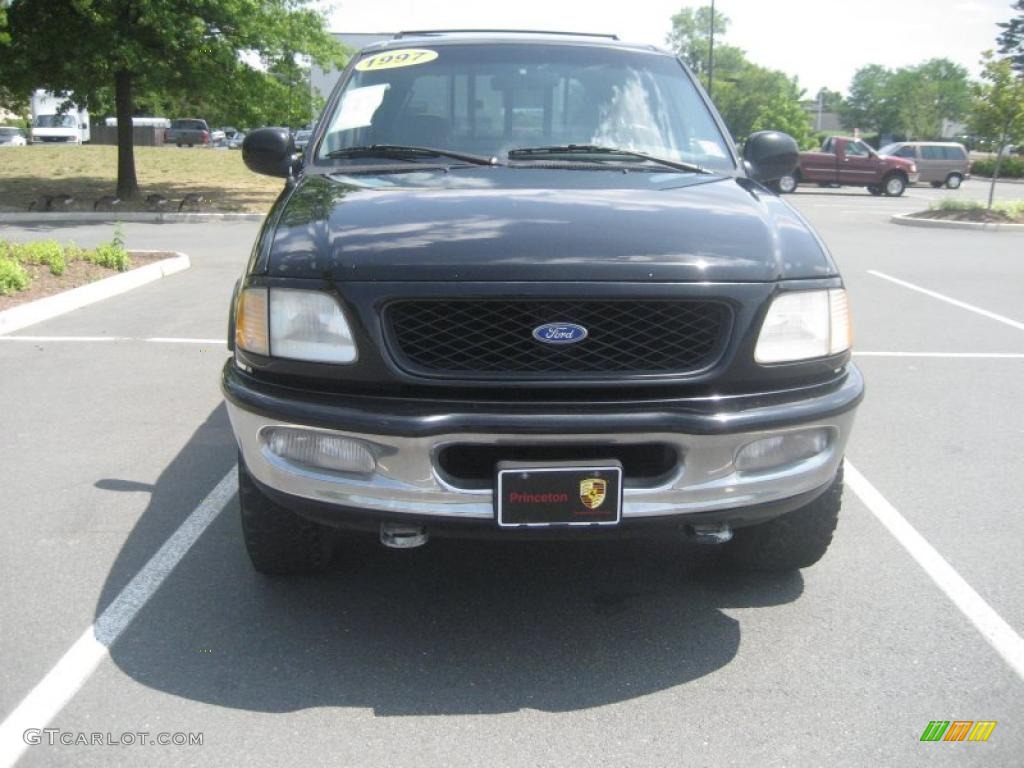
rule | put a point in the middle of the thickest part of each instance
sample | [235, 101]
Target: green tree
[691, 38]
[1011, 39]
[912, 101]
[212, 52]
[740, 88]
[916, 102]
[784, 113]
[998, 109]
[742, 98]
[10, 101]
[867, 105]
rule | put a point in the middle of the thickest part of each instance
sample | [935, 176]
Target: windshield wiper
[595, 149]
[403, 152]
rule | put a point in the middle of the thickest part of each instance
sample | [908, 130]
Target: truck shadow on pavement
[454, 627]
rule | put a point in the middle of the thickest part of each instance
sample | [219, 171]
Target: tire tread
[795, 540]
[278, 541]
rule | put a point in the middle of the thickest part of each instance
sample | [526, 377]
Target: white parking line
[63, 338]
[950, 355]
[152, 339]
[949, 300]
[186, 341]
[993, 628]
[55, 690]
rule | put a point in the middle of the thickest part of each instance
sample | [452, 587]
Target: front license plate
[558, 494]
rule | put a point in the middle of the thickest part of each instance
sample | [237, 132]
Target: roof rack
[421, 32]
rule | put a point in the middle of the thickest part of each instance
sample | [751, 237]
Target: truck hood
[519, 224]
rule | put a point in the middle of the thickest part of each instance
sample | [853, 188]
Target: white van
[52, 125]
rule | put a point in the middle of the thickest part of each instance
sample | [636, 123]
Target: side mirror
[770, 155]
[269, 151]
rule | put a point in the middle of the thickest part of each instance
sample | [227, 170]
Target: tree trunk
[995, 171]
[127, 183]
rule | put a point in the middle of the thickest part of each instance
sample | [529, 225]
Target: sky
[823, 42]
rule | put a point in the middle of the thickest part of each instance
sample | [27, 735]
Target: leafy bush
[956, 204]
[1011, 168]
[111, 255]
[46, 252]
[1013, 210]
[51, 254]
[13, 276]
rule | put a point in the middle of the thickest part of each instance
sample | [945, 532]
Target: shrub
[956, 204]
[1013, 209]
[47, 253]
[110, 255]
[1011, 168]
[13, 276]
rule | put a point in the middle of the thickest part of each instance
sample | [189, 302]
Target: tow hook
[402, 536]
[716, 533]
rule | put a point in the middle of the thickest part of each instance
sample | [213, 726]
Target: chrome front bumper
[407, 480]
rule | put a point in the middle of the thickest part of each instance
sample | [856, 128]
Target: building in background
[821, 119]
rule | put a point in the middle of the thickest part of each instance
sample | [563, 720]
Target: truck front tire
[795, 540]
[787, 184]
[278, 541]
[894, 185]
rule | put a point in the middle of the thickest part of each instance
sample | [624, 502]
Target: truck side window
[856, 149]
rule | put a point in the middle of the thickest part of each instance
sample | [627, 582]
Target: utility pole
[711, 51]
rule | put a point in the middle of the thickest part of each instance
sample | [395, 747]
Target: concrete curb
[909, 220]
[71, 217]
[19, 317]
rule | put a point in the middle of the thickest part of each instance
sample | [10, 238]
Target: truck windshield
[489, 99]
[54, 121]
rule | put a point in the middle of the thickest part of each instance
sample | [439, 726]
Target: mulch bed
[979, 215]
[77, 273]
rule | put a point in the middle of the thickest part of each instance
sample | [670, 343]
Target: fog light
[777, 451]
[320, 450]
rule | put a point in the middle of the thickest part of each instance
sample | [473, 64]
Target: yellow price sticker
[405, 57]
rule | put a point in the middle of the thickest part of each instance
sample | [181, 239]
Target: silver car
[938, 162]
[12, 137]
[302, 137]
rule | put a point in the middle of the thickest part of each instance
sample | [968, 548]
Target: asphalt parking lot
[117, 454]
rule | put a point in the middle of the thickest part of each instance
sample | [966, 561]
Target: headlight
[299, 325]
[804, 324]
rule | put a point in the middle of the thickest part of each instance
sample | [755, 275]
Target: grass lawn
[89, 172]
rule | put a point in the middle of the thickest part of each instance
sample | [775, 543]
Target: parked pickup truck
[458, 321]
[851, 163]
[191, 131]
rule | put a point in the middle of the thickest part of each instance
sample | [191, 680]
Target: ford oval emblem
[560, 333]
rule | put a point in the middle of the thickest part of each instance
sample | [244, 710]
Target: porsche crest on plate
[592, 492]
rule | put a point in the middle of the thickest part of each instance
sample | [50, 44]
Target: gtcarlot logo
[958, 730]
[56, 737]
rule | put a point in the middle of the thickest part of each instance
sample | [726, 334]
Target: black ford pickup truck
[522, 285]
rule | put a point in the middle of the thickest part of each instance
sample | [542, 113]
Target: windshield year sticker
[406, 57]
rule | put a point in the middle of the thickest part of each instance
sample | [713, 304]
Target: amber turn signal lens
[251, 321]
